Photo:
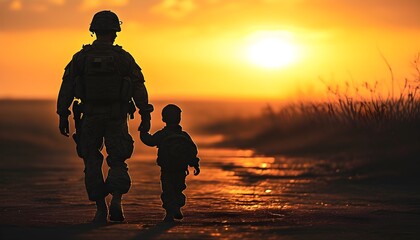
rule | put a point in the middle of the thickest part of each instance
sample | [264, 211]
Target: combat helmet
[105, 21]
[171, 113]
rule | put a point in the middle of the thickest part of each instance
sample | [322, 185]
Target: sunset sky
[213, 48]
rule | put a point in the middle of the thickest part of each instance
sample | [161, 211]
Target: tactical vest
[102, 79]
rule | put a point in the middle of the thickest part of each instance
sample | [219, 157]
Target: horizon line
[160, 99]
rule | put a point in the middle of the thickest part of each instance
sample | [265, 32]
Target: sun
[272, 49]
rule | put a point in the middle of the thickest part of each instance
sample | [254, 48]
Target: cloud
[57, 2]
[35, 6]
[92, 4]
[18, 15]
[363, 13]
[175, 8]
[15, 5]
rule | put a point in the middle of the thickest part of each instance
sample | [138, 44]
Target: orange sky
[200, 48]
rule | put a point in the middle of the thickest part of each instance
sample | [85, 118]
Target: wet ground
[236, 196]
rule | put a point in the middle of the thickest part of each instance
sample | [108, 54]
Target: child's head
[171, 114]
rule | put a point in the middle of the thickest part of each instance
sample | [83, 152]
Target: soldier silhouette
[176, 151]
[107, 85]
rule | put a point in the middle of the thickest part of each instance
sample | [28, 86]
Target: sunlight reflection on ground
[237, 195]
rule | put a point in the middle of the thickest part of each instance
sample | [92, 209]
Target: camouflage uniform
[173, 173]
[104, 122]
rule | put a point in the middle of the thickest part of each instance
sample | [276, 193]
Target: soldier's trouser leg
[172, 183]
[91, 145]
[119, 146]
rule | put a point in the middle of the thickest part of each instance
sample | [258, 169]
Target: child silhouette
[176, 151]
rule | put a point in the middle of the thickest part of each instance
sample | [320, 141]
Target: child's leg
[101, 214]
[179, 197]
[173, 183]
[179, 187]
[116, 213]
[167, 195]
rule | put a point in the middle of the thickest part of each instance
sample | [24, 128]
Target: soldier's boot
[101, 214]
[115, 209]
[178, 213]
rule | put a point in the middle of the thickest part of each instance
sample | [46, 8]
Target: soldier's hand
[64, 126]
[196, 170]
[144, 126]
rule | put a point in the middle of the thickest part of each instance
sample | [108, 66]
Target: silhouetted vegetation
[355, 119]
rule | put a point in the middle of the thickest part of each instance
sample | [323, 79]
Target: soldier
[105, 80]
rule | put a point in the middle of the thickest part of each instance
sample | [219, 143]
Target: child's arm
[195, 161]
[149, 139]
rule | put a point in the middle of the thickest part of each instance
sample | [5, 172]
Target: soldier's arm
[140, 95]
[66, 93]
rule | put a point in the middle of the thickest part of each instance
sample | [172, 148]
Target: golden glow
[212, 48]
[272, 49]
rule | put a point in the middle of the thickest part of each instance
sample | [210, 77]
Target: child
[176, 151]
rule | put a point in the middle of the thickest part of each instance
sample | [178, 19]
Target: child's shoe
[178, 214]
[100, 217]
[169, 217]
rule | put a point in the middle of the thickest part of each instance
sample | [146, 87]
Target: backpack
[102, 81]
[176, 151]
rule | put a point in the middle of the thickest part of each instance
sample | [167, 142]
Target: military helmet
[105, 21]
[171, 113]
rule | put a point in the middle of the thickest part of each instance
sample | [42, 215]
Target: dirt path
[235, 197]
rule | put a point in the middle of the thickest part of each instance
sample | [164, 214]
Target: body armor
[104, 79]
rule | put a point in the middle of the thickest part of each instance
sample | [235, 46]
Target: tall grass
[376, 111]
[355, 118]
